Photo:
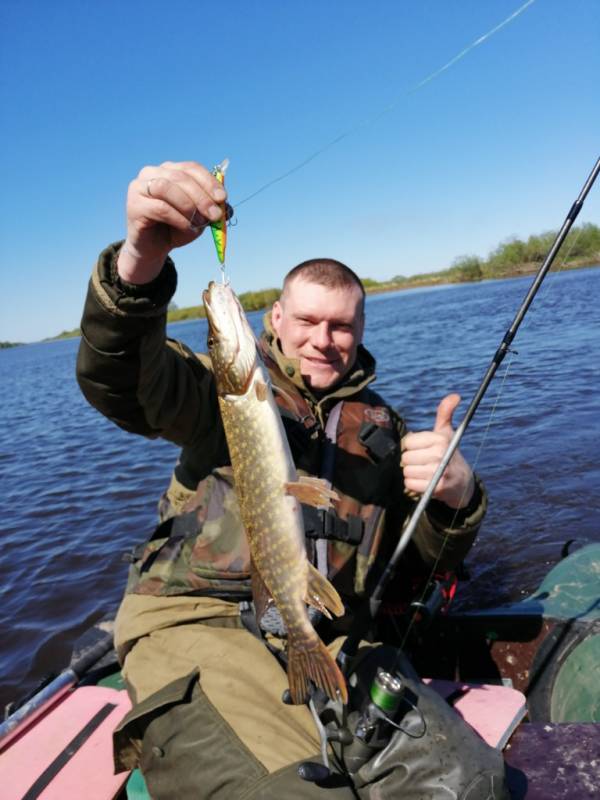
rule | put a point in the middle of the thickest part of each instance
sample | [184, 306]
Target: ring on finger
[148, 192]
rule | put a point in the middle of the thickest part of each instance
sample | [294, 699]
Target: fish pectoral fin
[321, 594]
[312, 491]
[260, 594]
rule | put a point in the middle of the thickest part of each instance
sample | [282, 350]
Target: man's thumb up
[443, 417]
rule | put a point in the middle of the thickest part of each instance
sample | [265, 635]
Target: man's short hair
[326, 272]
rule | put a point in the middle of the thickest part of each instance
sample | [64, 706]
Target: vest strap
[321, 524]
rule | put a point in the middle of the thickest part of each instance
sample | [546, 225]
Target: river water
[77, 492]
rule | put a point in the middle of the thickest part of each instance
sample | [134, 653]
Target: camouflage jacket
[148, 384]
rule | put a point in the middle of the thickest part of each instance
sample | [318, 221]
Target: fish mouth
[233, 360]
[210, 314]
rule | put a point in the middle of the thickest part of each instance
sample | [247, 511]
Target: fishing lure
[219, 228]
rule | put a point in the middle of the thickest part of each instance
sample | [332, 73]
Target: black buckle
[327, 524]
[379, 442]
[321, 524]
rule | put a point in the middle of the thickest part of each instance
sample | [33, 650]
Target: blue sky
[497, 145]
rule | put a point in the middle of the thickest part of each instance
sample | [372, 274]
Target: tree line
[511, 258]
[516, 257]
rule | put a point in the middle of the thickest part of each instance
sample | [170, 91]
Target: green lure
[219, 228]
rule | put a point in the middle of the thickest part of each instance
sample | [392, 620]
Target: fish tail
[314, 662]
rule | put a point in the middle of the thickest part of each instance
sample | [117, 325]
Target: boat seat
[492, 710]
[67, 752]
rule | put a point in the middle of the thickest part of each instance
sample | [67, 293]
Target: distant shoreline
[257, 301]
[521, 271]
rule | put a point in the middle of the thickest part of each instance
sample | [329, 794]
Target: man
[208, 720]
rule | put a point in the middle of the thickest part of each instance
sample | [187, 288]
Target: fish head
[231, 342]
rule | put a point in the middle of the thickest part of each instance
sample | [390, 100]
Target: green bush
[466, 268]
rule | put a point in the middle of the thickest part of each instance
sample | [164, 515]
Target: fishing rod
[370, 608]
[87, 653]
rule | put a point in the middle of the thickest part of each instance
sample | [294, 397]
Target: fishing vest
[203, 550]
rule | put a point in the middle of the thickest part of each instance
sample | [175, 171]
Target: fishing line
[389, 108]
[427, 583]
[541, 298]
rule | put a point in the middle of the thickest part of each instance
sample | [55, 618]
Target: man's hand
[422, 453]
[167, 206]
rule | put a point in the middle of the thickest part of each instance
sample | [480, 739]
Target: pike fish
[269, 490]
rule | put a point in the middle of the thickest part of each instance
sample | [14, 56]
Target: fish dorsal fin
[312, 492]
[260, 594]
[321, 594]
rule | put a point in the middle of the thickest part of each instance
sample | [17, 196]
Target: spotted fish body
[268, 492]
[219, 228]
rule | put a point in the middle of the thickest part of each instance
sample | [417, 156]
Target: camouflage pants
[208, 721]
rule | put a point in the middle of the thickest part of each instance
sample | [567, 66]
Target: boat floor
[554, 761]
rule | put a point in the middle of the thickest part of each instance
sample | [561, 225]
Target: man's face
[320, 326]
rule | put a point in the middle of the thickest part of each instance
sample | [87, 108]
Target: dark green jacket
[157, 387]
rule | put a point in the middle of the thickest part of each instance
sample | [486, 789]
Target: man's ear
[361, 328]
[276, 315]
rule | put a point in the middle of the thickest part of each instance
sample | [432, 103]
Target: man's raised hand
[167, 206]
[422, 453]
